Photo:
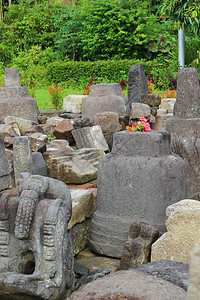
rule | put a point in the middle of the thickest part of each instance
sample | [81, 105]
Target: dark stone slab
[173, 271]
[137, 83]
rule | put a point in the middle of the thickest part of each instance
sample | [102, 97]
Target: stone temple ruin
[44, 222]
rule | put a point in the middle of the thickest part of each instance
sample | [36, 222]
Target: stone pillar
[5, 179]
[184, 126]
[22, 156]
[194, 275]
[137, 84]
[11, 78]
[136, 183]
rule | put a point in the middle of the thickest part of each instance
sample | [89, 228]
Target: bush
[159, 71]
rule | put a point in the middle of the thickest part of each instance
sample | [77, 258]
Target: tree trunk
[181, 48]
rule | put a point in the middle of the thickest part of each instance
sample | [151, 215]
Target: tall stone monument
[137, 84]
[15, 99]
[184, 126]
[136, 183]
[36, 259]
[5, 179]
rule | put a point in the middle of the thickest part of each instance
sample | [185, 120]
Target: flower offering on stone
[141, 126]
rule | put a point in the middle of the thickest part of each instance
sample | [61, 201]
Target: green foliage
[160, 70]
[67, 40]
[112, 30]
[32, 65]
[192, 45]
[184, 12]
[57, 94]
[24, 26]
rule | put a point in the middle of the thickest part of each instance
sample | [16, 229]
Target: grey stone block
[188, 94]
[22, 156]
[105, 97]
[135, 184]
[90, 137]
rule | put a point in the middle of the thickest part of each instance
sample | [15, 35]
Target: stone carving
[184, 126]
[5, 179]
[36, 259]
[136, 182]
[15, 99]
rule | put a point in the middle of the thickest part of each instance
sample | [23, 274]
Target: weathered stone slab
[183, 128]
[137, 84]
[152, 100]
[15, 100]
[160, 122]
[22, 156]
[129, 284]
[7, 133]
[132, 187]
[138, 110]
[194, 271]
[173, 271]
[64, 131]
[138, 246]
[39, 164]
[82, 206]
[183, 233]
[109, 122]
[187, 104]
[105, 97]
[70, 169]
[5, 179]
[90, 137]
[168, 103]
[79, 235]
[185, 142]
[23, 124]
[72, 103]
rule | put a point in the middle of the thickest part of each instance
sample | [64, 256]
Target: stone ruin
[15, 100]
[105, 97]
[36, 259]
[184, 126]
[136, 182]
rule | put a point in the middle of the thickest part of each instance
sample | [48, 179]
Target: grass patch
[43, 98]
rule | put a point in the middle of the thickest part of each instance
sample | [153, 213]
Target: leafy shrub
[57, 94]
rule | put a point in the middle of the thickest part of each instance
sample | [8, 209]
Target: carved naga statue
[36, 258]
[32, 189]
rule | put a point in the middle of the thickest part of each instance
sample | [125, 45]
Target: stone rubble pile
[44, 223]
